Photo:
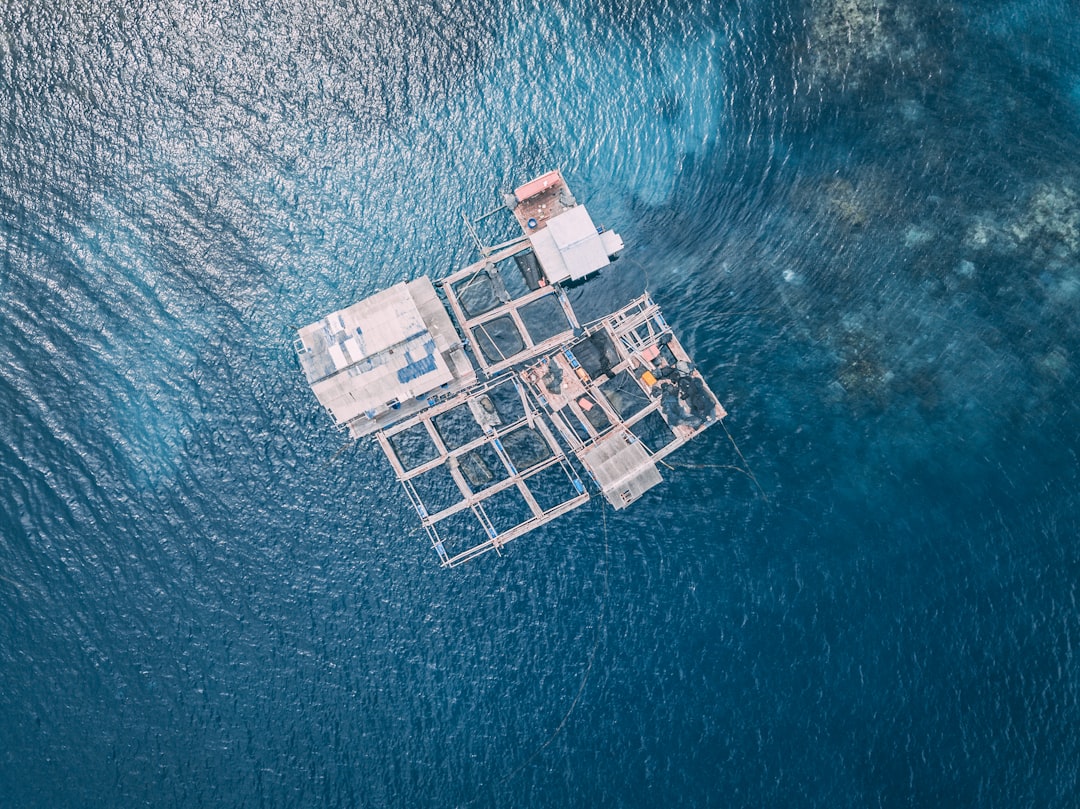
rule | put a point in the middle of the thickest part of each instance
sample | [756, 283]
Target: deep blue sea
[862, 216]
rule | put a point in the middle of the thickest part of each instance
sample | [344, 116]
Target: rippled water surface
[862, 215]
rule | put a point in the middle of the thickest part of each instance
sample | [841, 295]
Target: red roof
[534, 187]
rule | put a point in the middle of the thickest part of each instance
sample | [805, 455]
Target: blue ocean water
[863, 216]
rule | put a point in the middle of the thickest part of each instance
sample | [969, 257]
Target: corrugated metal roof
[569, 247]
[622, 467]
[391, 347]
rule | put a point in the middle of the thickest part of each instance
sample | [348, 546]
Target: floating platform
[499, 411]
[380, 359]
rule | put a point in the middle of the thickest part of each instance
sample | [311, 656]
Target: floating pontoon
[490, 447]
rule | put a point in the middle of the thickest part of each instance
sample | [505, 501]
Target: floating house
[376, 361]
[496, 408]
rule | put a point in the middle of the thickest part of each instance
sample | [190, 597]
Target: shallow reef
[845, 203]
[849, 40]
[1052, 220]
[846, 32]
[1046, 224]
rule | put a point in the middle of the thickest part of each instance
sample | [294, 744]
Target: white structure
[382, 355]
[570, 247]
[566, 242]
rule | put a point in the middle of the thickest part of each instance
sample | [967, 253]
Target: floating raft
[499, 411]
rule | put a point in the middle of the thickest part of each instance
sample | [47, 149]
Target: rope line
[743, 459]
[644, 270]
[588, 668]
[745, 469]
[345, 446]
[725, 466]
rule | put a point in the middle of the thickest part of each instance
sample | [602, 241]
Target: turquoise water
[862, 216]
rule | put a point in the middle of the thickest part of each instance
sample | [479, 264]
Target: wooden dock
[542, 199]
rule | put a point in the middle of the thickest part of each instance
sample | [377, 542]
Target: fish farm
[497, 409]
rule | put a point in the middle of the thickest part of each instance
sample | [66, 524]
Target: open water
[862, 215]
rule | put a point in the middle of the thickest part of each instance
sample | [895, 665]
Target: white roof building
[384, 353]
[569, 247]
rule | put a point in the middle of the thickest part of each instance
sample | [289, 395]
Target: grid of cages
[507, 310]
[628, 372]
[659, 365]
[500, 459]
[483, 469]
[592, 387]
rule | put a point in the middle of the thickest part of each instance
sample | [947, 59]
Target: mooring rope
[749, 471]
[644, 269]
[727, 466]
[345, 446]
[745, 468]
